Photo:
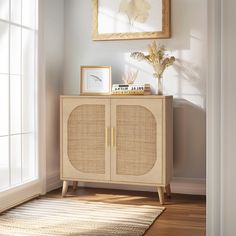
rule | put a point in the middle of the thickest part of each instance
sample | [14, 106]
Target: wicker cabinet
[111, 139]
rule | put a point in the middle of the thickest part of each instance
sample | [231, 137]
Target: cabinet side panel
[61, 137]
[168, 141]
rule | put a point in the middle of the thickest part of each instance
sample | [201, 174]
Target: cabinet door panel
[136, 140]
[86, 132]
[137, 153]
[85, 155]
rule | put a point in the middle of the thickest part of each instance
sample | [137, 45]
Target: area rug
[57, 217]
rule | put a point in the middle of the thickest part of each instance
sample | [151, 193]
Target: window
[18, 91]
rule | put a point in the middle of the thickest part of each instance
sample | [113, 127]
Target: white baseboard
[53, 182]
[189, 186]
[178, 185]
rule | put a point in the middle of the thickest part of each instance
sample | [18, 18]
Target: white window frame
[36, 187]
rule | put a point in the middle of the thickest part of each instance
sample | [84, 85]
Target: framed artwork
[130, 19]
[95, 80]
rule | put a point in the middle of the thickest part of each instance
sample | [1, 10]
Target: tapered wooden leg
[75, 185]
[168, 191]
[64, 188]
[161, 195]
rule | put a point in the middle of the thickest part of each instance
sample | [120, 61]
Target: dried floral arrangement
[159, 60]
[156, 57]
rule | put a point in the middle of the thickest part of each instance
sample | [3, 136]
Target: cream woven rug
[57, 217]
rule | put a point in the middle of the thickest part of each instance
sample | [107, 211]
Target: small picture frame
[95, 80]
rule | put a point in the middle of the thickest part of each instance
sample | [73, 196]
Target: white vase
[159, 85]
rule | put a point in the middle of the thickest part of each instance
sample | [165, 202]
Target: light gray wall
[54, 63]
[185, 80]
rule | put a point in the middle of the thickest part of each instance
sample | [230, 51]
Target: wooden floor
[185, 215]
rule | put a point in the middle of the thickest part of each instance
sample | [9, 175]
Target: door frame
[213, 118]
[221, 115]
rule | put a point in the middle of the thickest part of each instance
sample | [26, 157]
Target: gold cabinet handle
[107, 136]
[113, 137]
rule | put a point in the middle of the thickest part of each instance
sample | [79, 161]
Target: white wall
[54, 59]
[185, 80]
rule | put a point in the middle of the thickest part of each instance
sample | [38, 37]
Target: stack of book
[131, 89]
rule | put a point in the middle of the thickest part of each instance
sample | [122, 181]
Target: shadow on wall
[189, 140]
[192, 74]
[185, 81]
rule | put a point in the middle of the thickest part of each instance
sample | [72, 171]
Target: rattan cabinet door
[85, 126]
[137, 132]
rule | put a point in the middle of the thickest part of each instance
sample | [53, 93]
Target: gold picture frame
[95, 80]
[116, 20]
